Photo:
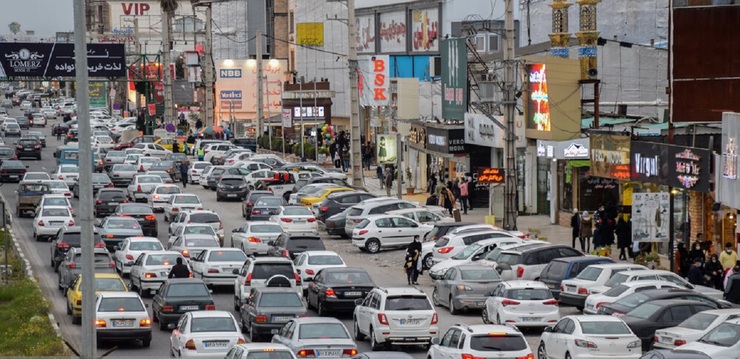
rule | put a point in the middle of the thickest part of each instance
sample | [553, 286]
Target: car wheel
[358, 335]
[374, 345]
[146, 343]
[541, 352]
[428, 262]
[237, 303]
[372, 245]
[567, 356]
[453, 310]
[579, 308]
[132, 286]
[435, 297]
[76, 319]
[162, 325]
[250, 334]
[484, 316]
[320, 308]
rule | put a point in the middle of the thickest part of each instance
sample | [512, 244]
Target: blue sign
[231, 95]
[230, 73]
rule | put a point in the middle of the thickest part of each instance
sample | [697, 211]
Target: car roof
[490, 328]
[667, 291]
[183, 280]
[376, 201]
[262, 346]
[142, 239]
[667, 302]
[320, 253]
[107, 294]
[317, 320]
[586, 258]
[402, 291]
[594, 318]
[528, 249]
[482, 231]
[642, 283]
[616, 265]
[271, 260]
[344, 269]
[646, 271]
[56, 207]
[232, 177]
[275, 290]
[524, 284]
[210, 314]
[473, 267]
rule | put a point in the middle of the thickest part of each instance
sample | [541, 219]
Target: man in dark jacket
[696, 277]
[184, 174]
[575, 224]
[179, 270]
[732, 290]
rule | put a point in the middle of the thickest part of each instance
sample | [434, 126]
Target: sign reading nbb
[230, 73]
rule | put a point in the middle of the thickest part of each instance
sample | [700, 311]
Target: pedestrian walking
[412, 263]
[201, 154]
[697, 253]
[379, 173]
[728, 257]
[624, 238]
[696, 275]
[184, 174]
[587, 231]
[683, 260]
[732, 289]
[432, 184]
[388, 179]
[463, 185]
[575, 225]
[447, 200]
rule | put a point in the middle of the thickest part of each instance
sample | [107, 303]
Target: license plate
[215, 344]
[112, 203]
[56, 223]
[123, 323]
[530, 319]
[13, 176]
[666, 339]
[274, 331]
[189, 307]
[329, 353]
[352, 294]
[231, 195]
[409, 321]
[281, 319]
[570, 289]
[300, 221]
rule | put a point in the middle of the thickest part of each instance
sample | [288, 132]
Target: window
[384, 223]
[402, 222]
[560, 327]
[699, 321]
[187, 24]
[497, 343]
[590, 274]
[455, 340]
[604, 328]
[447, 339]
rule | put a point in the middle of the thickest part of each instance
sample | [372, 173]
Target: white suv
[255, 272]
[481, 341]
[395, 316]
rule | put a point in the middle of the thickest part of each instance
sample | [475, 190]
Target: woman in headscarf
[713, 268]
[587, 231]
[412, 262]
[447, 199]
[624, 238]
[696, 252]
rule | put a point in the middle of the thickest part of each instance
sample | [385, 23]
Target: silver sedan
[317, 337]
[465, 287]
[252, 237]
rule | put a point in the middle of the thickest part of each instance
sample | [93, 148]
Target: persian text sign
[19, 59]
[365, 26]
[491, 175]
[392, 32]
[310, 34]
[454, 79]
[374, 81]
[425, 30]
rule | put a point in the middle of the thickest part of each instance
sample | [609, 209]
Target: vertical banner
[454, 79]
[286, 118]
[387, 151]
[98, 94]
[650, 215]
[374, 81]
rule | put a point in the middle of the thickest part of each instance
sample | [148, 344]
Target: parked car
[693, 328]
[521, 303]
[574, 291]
[252, 236]
[648, 317]
[579, 336]
[377, 232]
[480, 341]
[338, 202]
[290, 245]
[721, 342]
[626, 304]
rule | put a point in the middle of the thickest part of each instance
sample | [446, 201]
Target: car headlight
[634, 344]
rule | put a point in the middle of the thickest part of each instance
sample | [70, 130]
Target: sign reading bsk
[374, 81]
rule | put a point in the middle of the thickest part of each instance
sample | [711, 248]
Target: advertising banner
[374, 80]
[365, 26]
[21, 59]
[425, 30]
[670, 165]
[310, 34]
[236, 85]
[387, 151]
[454, 79]
[98, 94]
[610, 155]
[538, 115]
[392, 31]
[287, 120]
[481, 131]
[650, 216]
[491, 175]
[727, 184]
[446, 140]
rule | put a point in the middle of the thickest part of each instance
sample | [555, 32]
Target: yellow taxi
[167, 143]
[322, 193]
[104, 282]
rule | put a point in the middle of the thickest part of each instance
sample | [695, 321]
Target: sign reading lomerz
[26, 59]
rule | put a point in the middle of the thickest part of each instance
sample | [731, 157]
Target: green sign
[98, 94]
[454, 79]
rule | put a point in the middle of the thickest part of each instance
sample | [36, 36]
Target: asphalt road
[384, 267]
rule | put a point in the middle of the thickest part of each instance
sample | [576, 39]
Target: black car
[59, 128]
[645, 319]
[39, 136]
[441, 229]
[143, 214]
[670, 354]
[277, 304]
[12, 170]
[28, 147]
[214, 177]
[248, 202]
[631, 301]
[560, 269]
[66, 238]
[337, 289]
[178, 296]
[7, 153]
[72, 136]
[231, 187]
[334, 225]
[107, 200]
[266, 207]
[289, 245]
[338, 202]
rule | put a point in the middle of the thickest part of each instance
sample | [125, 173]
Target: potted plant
[409, 181]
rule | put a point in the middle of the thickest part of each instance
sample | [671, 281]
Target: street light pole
[260, 84]
[354, 95]
[209, 66]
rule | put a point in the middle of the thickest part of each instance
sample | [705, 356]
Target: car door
[448, 345]
[120, 254]
[315, 287]
[444, 285]
[365, 312]
[407, 229]
[285, 334]
[197, 264]
[136, 269]
[557, 343]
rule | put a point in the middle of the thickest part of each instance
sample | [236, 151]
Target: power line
[305, 46]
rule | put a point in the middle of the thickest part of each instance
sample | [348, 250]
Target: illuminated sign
[491, 175]
[610, 155]
[539, 99]
[575, 150]
[729, 160]
[418, 135]
[688, 168]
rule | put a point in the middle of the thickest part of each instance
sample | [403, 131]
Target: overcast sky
[46, 17]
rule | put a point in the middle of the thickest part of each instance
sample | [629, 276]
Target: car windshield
[201, 242]
[529, 294]
[164, 164]
[467, 251]
[204, 218]
[135, 209]
[232, 182]
[227, 256]
[265, 228]
[407, 302]
[497, 343]
[336, 277]
[493, 255]
[186, 199]
[188, 290]
[69, 169]
[146, 246]
[150, 179]
[27, 141]
[55, 212]
[698, 321]
[323, 331]
[110, 195]
[479, 274]
[616, 279]
[724, 335]
[128, 304]
[269, 202]
[115, 154]
[305, 244]
[605, 328]
[168, 190]
[509, 258]
[162, 259]
[616, 290]
[122, 224]
[644, 311]
[297, 211]
[325, 260]
[286, 299]
[109, 284]
[590, 274]
[212, 324]
[200, 166]
[199, 230]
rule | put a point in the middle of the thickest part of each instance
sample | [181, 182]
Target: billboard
[25, 59]
[610, 155]
[374, 80]
[551, 110]
[650, 216]
[392, 31]
[236, 86]
[365, 26]
[538, 116]
[425, 30]
[310, 34]
[387, 151]
[454, 79]
[98, 94]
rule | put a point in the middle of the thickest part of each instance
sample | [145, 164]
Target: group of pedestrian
[600, 230]
[704, 268]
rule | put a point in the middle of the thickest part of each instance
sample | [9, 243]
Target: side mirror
[414, 225]
[548, 329]
[435, 340]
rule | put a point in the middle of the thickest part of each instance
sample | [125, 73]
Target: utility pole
[260, 84]
[169, 115]
[399, 164]
[354, 98]
[209, 67]
[510, 204]
[85, 163]
[137, 45]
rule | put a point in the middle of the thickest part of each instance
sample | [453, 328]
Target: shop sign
[392, 32]
[541, 150]
[575, 150]
[418, 136]
[649, 162]
[650, 216]
[365, 38]
[689, 168]
[454, 77]
[610, 155]
[425, 30]
[374, 81]
[446, 140]
[491, 175]
[480, 130]
[538, 114]
[729, 159]
[387, 151]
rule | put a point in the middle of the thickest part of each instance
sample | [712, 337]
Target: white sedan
[252, 236]
[308, 263]
[296, 219]
[589, 337]
[181, 203]
[521, 303]
[151, 269]
[161, 194]
[130, 249]
[67, 173]
[595, 301]
[50, 219]
[258, 175]
[153, 150]
[59, 187]
[693, 328]
[216, 266]
[103, 142]
[205, 333]
[195, 170]
[193, 228]
[122, 316]
[387, 231]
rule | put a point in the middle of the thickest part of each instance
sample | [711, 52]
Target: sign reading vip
[21, 59]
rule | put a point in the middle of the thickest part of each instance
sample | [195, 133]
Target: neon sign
[539, 99]
[729, 160]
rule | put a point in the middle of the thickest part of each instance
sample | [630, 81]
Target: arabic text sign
[491, 175]
[365, 26]
[310, 34]
[392, 32]
[425, 30]
[19, 59]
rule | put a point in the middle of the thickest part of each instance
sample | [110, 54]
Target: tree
[168, 6]
[16, 27]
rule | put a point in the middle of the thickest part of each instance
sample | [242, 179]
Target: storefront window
[597, 191]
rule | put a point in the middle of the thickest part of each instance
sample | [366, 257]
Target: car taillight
[240, 341]
[150, 275]
[362, 232]
[125, 201]
[168, 308]
[72, 265]
[324, 209]
[186, 253]
[550, 302]
[190, 345]
[286, 253]
[348, 353]
[598, 305]
[311, 220]
[60, 177]
[150, 217]
[99, 245]
[678, 342]
[330, 293]
[254, 211]
[585, 343]
[129, 257]
[254, 240]
[41, 223]
[310, 271]
[260, 319]
[210, 307]
[382, 319]
[470, 356]
[109, 236]
[111, 264]
[507, 302]
[306, 353]
[435, 318]
[583, 291]
[99, 323]
[110, 185]
[213, 270]
[249, 204]
[286, 220]
[445, 250]
[220, 225]
[528, 356]
[156, 196]
[145, 322]
[67, 194]
[141, 168]
[519, 272]
[138, 188]
[248, 280]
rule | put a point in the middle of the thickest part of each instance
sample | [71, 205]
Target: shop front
[438, 151]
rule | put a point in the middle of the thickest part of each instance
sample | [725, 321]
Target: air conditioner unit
[435, 66]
